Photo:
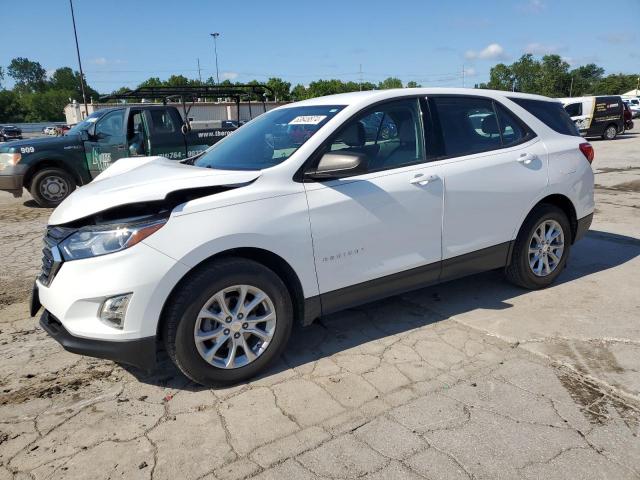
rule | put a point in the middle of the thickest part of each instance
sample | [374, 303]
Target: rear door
[494, 167]
[165, 133]
[108, 144]
[379, 231]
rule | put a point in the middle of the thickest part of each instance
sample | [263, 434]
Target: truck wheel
[541, 248]
[227, 322]
[610, 133]
[50, 186]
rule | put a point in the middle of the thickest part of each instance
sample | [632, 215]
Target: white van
[596, 116]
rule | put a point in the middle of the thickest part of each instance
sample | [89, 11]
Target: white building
[200, 111]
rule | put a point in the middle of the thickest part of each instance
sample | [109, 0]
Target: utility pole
[75, 34]
[215, 36]
[199, 74]
[360, 76]
[571, 88]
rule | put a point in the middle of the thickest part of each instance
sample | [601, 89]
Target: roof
[370, 96]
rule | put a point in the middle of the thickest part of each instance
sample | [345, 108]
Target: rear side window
[552, 114]
[471, 125]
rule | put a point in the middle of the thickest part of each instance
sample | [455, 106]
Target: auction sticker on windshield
[307, 120]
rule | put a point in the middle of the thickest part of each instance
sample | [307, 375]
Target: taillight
[587, 151]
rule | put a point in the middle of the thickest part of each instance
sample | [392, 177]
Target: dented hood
[138, 180]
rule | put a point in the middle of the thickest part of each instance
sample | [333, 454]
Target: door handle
[526, 158]
[121, 147]
[422, 179]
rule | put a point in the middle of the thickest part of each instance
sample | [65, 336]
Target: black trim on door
[483, 260]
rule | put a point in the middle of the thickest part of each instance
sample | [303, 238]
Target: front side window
[111, 125]
[268, 140]
[390, 135]
[574, 109]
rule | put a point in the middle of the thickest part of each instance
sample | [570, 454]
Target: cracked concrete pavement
[469, 379]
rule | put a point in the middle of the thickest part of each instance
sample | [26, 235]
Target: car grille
[51, 258]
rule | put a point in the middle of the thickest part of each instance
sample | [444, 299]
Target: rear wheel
[610, 133]
[541, 248]
[50, 186]
[227, 322]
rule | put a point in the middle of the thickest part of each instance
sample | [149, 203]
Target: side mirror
[338, 165]
[91, 131]
[84, 136]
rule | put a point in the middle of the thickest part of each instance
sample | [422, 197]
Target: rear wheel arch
[266, 258]
[565, 204]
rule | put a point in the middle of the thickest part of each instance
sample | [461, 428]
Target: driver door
[107, 144]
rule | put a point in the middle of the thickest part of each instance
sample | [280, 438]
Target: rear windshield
[552, 114]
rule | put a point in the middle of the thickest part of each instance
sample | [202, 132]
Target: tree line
[37, 97]
[552, 76]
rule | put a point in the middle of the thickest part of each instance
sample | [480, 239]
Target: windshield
[269, 139]
[86, 123]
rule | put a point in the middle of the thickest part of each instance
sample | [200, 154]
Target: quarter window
[390, 136]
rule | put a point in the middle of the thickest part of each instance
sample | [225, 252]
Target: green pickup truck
[51, 168]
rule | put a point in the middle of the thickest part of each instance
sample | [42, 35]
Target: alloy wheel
[546, 247]
[235, 326]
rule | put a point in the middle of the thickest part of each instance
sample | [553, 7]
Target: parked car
[628, 117]
[51, 168]
[10, 132]
[634, 106]
[50, 130]
[596, 116]
[217, 256]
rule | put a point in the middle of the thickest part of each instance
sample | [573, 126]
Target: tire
[520, 271]
[182, 318]
[610, 133]
[50, 186]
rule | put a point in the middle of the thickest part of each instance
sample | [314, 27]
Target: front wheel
[610, 133]
[50, 186]
[541, 248]
[227, 322]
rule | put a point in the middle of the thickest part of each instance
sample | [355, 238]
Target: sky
[123, 43]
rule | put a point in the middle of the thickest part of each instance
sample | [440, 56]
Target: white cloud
[470, 72]
[99, 61]
[543, 49]
[229, 75]
[493, 51]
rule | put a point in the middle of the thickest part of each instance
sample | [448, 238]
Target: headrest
[354, 135]
[490, 125]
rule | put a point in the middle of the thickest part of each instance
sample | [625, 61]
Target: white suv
[307, 210]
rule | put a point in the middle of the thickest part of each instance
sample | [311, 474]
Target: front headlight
[99, 240]
[9, 160]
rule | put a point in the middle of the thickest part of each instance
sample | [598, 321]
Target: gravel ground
[469, 379]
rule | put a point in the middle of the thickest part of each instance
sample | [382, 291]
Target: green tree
[46, 106]
[616, 83]
[177, 81]
[29, 76]
[526, 73]
[151, 82]
[554, 77]
[413, 84]
[500, 78]
[66, 79]
[11, 108]
[280, 88]
[585, 79]
[391, 82]
[1, 76]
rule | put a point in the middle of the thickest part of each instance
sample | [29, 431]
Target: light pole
[75, 33]
[215, 36]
